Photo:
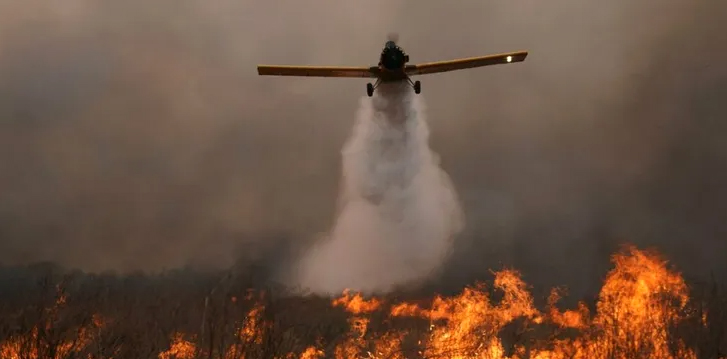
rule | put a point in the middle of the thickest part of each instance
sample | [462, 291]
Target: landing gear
[416, 85]
[371, 87]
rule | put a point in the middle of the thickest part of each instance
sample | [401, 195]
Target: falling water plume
[398, 211]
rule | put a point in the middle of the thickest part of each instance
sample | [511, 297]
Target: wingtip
[519, 56]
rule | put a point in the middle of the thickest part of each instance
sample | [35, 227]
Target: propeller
[393, 36]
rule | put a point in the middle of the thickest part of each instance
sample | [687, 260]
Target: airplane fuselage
[392, 63]
[392, 67]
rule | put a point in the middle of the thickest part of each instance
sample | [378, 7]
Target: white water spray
[398, 211]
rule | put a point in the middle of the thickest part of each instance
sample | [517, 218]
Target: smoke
[137, 135]
[398, 209]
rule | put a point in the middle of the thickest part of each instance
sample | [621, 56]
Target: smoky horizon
[139, 137]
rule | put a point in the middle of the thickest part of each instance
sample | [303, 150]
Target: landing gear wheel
[369, 89]
[417, 87]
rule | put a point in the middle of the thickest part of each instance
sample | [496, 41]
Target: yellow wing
[317, 71]
[459, 64]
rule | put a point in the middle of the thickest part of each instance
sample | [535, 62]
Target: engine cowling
[393, 58]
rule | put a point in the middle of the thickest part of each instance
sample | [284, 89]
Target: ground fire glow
[643, 311]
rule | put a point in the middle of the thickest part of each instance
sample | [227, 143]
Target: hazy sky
[137, 134]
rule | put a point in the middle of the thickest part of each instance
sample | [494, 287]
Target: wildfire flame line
[639, 306]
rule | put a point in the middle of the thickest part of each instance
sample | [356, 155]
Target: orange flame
[356, 304]
[639, 305]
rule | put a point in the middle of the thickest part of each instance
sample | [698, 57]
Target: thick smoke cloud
[137, 135]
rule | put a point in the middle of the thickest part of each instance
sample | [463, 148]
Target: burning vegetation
[644, 310]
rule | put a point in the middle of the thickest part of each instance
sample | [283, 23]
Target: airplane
[392, 67]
